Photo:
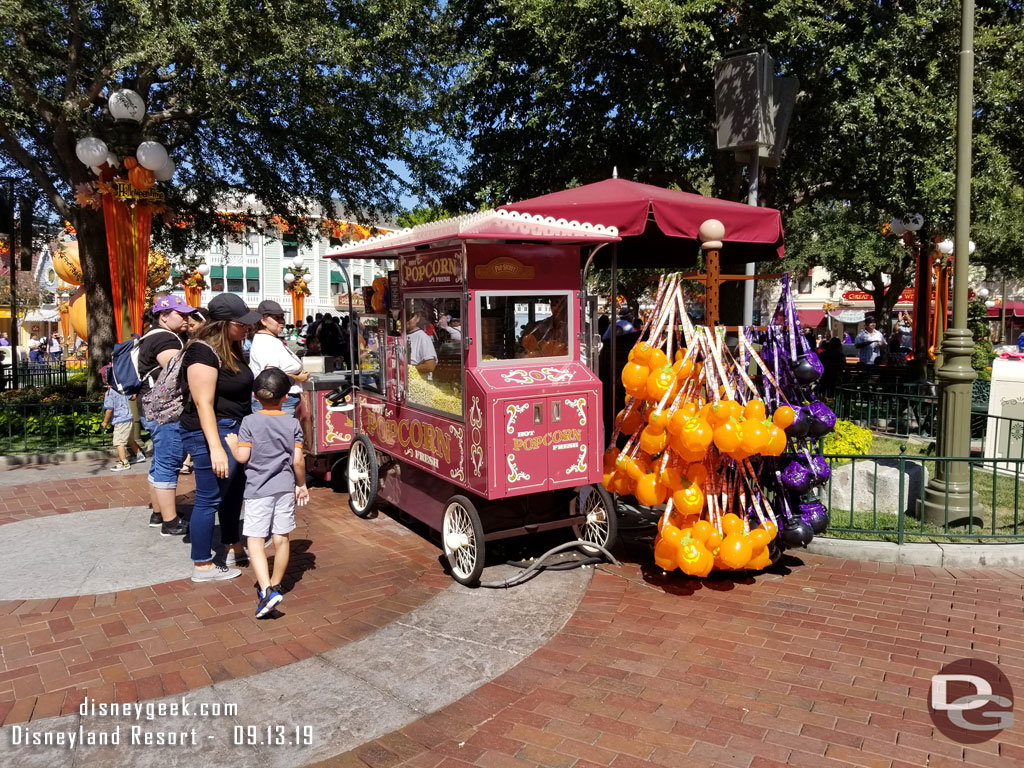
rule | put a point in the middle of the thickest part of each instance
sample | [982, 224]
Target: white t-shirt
[33, 343]
[55, 345]
[420, 347]
[270, 352]
[455, 333]
[871, 352]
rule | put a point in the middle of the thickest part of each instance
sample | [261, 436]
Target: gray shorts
[269, 514]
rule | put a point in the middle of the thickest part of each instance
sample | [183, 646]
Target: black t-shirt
[233, 398]
[151, 345]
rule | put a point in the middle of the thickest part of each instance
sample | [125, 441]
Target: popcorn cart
[326, 425]
[473, 412]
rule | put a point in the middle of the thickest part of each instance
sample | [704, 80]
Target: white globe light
[126, 104]
[990, 303]
[945, 247]
[203, 269]
[983, 292]
[297, 261]
[151, 155]
[165, 172]
[914, 223]
[970, 247]
[91, 151]
[289, 278]
[897, 227]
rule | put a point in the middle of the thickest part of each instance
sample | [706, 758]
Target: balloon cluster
[151, 162]
[700, 434]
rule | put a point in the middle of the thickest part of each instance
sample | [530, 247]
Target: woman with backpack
[156, 349]
[216, 387]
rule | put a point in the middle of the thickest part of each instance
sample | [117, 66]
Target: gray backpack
[164, 401]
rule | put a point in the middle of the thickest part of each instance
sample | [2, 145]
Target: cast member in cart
[422, 355]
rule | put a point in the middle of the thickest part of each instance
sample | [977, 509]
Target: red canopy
[755, 233]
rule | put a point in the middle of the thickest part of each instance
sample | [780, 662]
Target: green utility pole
[949, 491]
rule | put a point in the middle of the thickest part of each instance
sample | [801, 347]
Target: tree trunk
[92, 250]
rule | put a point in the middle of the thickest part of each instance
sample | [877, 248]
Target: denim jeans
[168, 453]
[214, 494]
[288, 406]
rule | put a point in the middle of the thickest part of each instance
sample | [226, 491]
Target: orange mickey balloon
[610, 457]
[783, 416]
[759, 561]
[689, 500]
[657, 360]
[714, 540]
[727, 437]
[701, 530]
[665, 553]
[631, 423]
[697, 474]
[649, 491]
[735, 551]
[759, 539]
[653, 441]
[754, 409]
[732, 524]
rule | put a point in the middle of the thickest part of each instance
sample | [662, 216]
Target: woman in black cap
[217, 390]
[270, 351]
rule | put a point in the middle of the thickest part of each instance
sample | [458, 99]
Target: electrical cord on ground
[537, 565]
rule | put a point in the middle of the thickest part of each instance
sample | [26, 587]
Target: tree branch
[71, 79]
[98, 83]
[12, 146]
[169, 115]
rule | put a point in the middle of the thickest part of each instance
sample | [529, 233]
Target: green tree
[292, 107]
[554, 93]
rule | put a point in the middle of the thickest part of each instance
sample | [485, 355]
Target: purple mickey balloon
[822, 419]
[796, 477]
[815, 515]
[820, 471]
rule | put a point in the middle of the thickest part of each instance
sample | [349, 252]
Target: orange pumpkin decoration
[697, 435]
[659, 382]
[141, 178]
[130, 163]
[697, 474]
[665, 552]
[671, 477]
[658, 420]
[689, 500]
[642, 352]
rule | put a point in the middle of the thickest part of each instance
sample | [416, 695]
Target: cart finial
[615, 171]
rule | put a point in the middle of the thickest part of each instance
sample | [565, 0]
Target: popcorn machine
[473, 411]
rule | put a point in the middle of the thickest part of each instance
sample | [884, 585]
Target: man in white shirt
[870, 342]
[33, 349]
[422, 354]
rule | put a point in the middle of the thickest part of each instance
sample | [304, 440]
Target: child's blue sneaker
[267, 601]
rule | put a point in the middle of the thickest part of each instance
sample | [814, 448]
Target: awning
[336, 276]
[810, 318]
[42, 316]
[485, 225]
[216, 271]
[1014, 308]
[252, 273]
[849, 315]
[751, 233]
[235, 273]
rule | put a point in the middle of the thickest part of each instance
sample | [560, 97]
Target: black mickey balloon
[801, 423]
[796, 533]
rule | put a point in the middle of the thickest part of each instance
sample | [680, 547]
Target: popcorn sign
[432, 269]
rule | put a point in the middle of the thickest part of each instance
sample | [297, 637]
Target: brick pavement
[354, 576]
[826, 666]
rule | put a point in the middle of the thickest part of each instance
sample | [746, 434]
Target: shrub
[847, 439]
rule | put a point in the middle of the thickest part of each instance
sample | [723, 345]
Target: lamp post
[949, 492]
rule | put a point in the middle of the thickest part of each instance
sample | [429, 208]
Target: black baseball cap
[273, 382]
[269, 307]
[228, 306]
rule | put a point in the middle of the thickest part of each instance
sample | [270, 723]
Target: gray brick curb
[923, 553]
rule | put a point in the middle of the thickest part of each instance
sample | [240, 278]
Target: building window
[804, 285]
[235, 284]
[290, 248]
[355, 281]
[252, 285]
[337, 288]
[216, 283]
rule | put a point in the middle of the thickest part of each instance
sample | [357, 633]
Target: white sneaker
[140, 457]
[120, 466]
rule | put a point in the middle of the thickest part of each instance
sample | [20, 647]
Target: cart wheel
[362, 476]
[462, 536]
[600, 527]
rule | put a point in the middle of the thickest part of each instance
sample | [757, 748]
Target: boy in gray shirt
[269, 442]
